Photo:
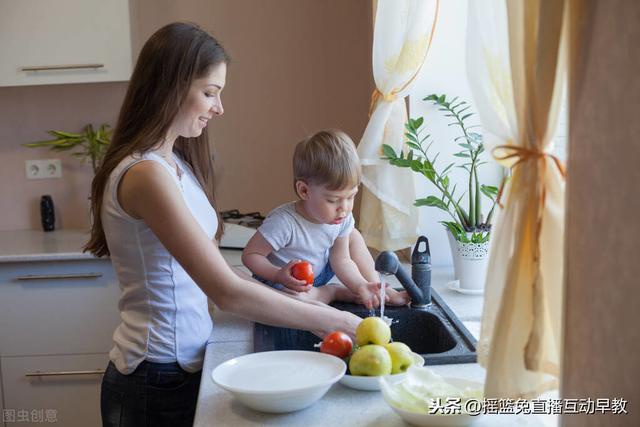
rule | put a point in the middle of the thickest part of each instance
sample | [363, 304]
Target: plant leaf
[489, 191]
[388, 151]
[445, 170]
[410, 136]
[413, 145]
[431, 201]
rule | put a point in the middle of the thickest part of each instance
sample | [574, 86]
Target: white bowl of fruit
[373, 356]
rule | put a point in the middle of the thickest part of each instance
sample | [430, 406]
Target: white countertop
[233, 337]
[36, 245]
[63, 245]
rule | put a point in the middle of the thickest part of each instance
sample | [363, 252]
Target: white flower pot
[470, 262]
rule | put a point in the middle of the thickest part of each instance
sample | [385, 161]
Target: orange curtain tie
[376, 95]
[523, 154]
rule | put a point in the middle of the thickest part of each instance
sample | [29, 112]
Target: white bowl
[434, 420]
[359, 382]
[279, 381]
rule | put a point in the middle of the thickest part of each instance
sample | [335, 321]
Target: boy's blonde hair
[327, 158]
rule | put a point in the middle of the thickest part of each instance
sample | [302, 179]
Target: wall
[26, 112]
[602, 338]
[298, 66]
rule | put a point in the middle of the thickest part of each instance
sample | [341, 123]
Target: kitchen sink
[434, 332]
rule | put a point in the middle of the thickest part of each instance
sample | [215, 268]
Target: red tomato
[338, 344]
[303, 271]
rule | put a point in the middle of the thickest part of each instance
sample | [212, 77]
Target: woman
[153, 209]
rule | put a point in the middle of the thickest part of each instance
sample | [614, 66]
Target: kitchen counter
[36, 245]
[232, 337]
[65, 245]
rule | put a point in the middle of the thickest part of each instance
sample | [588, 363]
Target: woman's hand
[285, 277]
[347, 323]
[351, 322]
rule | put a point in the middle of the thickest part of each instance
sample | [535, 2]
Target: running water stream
[383, 285]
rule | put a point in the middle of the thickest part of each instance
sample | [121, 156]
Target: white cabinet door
[70, 41]
[58, 307]
[1, 401]
[68, 394]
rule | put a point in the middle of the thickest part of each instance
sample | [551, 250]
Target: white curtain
[403, 31]
[516, 62]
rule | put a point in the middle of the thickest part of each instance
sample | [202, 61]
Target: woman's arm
[148, 192]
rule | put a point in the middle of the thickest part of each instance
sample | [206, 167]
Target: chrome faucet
[418, 287]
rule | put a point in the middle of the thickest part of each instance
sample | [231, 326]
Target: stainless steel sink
[433, 331]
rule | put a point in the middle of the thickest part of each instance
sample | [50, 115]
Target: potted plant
[89, 145]
[468, 230]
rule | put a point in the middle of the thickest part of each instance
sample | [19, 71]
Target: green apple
[371, 360]
[373, 330]
[401, 357]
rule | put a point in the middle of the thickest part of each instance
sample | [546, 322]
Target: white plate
[437, 420]
[371, 383]
[279, 381]
[454, 285]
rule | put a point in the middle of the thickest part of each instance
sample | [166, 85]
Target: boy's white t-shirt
[294, 237]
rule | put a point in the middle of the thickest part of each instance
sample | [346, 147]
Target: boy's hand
[285, 277]
[369, 295]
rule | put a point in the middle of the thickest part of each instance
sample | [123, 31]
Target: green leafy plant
[90, 145]
[468, 224]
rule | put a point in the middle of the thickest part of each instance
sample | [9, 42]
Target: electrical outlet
[43, 169]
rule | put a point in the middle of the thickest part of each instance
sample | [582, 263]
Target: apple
[371, 360]
[373, 330]
[401, 357]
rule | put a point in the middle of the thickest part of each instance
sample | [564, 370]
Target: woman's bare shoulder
[144, 183]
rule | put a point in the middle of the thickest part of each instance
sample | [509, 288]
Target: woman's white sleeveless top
[164, 314]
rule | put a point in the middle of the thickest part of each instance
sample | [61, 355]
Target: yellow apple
[371, 360]
[401, 357]
[373, 330]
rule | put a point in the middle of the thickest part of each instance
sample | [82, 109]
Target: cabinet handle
[62, 67]
[63, 373]
[59, 276]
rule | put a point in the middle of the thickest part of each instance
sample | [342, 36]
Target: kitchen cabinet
[57, 318]
[64, 41]
[58, 312]
[54, 389]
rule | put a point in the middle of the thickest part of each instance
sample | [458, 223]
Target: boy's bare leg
[331, 292]
[362, 257]
[394, 297]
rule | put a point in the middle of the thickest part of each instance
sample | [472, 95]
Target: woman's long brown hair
[169, 61]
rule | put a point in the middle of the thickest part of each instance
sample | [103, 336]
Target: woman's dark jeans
[154, 395]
